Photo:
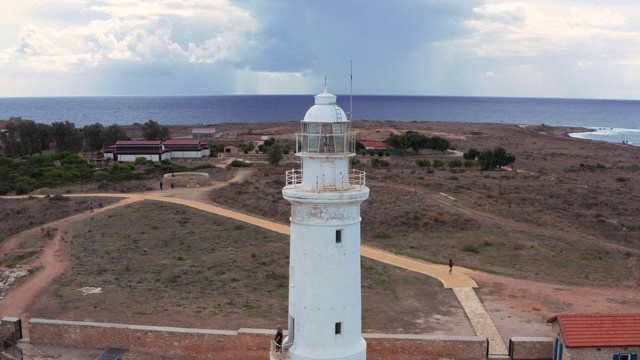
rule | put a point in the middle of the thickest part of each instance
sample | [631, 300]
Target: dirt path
[50, 265]
[506, 303]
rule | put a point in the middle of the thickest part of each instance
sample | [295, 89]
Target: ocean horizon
[612, 120]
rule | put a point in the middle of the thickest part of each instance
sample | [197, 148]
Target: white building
[157, 150]
[325, 303]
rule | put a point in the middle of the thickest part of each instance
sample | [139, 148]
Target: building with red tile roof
[157, 150]
[596, 336]
[374, 145]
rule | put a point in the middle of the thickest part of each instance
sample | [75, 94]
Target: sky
[529, 48]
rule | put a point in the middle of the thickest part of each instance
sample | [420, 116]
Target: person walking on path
[450, 265]
[91, 206]
[161, 184]
[100, 202]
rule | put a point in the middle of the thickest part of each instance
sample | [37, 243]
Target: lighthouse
[325, 306]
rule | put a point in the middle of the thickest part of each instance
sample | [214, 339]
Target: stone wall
[530, 348]
[154, 342]
[186, 179]
[425, 347]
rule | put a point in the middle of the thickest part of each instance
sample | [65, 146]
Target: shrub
[4, 189]
[377, 163]
[470, 248]
[455, 163]
[468, 163]
[381, 234]
[101, 175]
[438, 163]
[239, 163]
[140, 160]
[423, 162]
[355, 161]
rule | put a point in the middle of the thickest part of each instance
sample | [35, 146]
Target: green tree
[22, 138]
[274, 154]
[269, 142]
[471, 154]
[66, 136]
[397, 141]
[112, 133]
[44, 136]
[416, 141]
[93, 138]
[496, 158]
[439, 144]
[11, 139]
[246, 147]
[151, 130]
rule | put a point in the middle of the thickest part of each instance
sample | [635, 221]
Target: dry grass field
[565, 218]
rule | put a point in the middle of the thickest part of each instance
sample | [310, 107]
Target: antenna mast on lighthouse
[351, 95]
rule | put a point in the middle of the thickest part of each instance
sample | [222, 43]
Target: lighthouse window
[338, 328]
[338, 236]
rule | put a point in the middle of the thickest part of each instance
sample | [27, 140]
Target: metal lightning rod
[351, 95]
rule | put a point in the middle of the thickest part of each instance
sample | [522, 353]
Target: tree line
[489, 159]
[415, 141]
[26, 137]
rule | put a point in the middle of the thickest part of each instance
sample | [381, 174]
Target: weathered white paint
[324, 274]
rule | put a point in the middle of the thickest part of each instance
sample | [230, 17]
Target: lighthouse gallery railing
[355, 178]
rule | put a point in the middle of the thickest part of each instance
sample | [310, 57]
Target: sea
[614, 121]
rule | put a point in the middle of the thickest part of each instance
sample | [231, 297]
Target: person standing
[161, 184]
[100, 202]
[278, 339]
[91, 206]
[450, 265]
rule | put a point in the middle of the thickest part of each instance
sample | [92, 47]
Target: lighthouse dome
[325, 110]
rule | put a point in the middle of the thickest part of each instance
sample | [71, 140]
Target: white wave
[612, 135]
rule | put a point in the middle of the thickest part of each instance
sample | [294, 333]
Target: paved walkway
[461, 284]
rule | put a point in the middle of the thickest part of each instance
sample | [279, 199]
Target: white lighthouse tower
[325, 304]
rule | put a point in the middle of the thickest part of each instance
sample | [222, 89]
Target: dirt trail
[52, 261]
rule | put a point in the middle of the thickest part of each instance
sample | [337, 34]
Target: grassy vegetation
[22, 176]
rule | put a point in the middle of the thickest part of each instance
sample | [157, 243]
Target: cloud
[490, 74]
[132, 30]
[528, 29]
[584, 63]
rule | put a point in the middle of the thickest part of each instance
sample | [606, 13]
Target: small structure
[591, 337]
[374, 145]
[203, 133]
[187, 179]
[231, 149]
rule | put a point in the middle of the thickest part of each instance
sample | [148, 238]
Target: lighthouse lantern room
[324, 275]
